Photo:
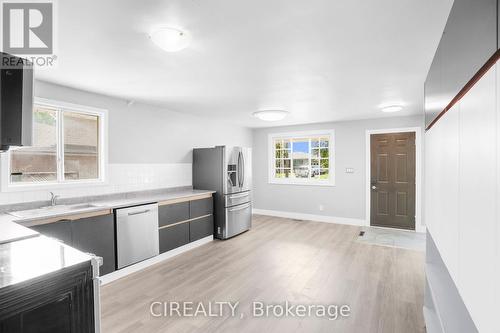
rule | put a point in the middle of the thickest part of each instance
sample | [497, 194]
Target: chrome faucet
[53, 199]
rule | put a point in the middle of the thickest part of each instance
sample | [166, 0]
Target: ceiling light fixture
[170, 39]
[271, 115]
[392, 108]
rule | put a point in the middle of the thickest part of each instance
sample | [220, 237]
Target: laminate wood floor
[278, 260]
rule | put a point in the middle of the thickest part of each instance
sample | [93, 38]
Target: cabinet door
[96, 235]
[54, 315]
[201, 228]
[60, 230]
[173, 213]
[173, 237]
[200, 207]
[58, 303]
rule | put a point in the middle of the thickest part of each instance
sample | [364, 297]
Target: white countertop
[11, 231]
[36, 256]
[120, 203]
[11, 228]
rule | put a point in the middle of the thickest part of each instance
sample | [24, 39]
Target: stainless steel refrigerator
[227, 170]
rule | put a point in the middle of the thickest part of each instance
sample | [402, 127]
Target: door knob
[374, 187]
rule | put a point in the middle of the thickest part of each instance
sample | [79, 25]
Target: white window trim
[7, 186]
[297, 181]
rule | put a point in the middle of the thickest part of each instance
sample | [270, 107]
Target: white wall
[462, 196]
[149, 146]
[345, 200]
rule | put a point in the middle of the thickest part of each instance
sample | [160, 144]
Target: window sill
[299, 183]
[52, 186]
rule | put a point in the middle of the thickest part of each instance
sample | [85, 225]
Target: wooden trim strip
[468, 86]
[185, 199]
[182, 222]
[64, 218]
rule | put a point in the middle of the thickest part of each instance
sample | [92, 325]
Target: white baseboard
[320, 218]
[311, 217]
[149, 262]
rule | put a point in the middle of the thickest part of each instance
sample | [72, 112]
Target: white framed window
[302, 158]
[69, 148]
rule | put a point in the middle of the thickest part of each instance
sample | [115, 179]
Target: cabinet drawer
[201, 228]
[173, 237]
[173, 213]
[200, 207]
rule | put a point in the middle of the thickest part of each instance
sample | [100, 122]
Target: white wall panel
[497, 242]
[442, 149]
[449, 190]
[430, 183]
[477, 204]
[462, 177]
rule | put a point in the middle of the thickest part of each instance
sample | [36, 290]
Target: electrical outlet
[321, 208]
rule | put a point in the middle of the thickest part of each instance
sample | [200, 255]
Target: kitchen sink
[81, 206]
[50, 210]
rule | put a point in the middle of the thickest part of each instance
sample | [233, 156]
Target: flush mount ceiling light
[170, 39]
[392, 108]
[270, 115]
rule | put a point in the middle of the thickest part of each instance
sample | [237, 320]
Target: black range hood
[16, 101]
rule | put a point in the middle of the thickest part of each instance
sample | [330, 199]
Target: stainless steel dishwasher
[136, 234]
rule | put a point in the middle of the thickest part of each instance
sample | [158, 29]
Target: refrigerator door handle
[239, 208]
[238, 196]
[239, 169]
[242, 170]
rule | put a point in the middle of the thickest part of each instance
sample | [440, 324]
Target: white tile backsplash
[121, 178]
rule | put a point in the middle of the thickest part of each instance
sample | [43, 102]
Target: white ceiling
[322, 60]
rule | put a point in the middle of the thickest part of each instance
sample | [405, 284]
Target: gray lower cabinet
[200, 207]
[201, 228]
[60, 230]
[173, 213]
[96, 235]
[173, 237]
[193, 221]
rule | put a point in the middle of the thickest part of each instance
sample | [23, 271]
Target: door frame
[418, 172]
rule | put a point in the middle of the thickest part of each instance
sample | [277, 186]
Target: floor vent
[361, 233]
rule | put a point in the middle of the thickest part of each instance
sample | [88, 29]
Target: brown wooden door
[392, 185]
